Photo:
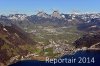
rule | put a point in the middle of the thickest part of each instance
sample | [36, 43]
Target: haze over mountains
[45, 34]
[56, 18]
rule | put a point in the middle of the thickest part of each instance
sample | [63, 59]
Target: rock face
[42, 14]
[56, 14]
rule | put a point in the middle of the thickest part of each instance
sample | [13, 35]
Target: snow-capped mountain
[17, 16]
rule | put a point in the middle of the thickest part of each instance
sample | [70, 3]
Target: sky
[33, 6]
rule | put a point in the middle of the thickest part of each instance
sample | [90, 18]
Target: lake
[80, 58]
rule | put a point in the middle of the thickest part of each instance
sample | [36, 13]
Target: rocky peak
[17, 16]
[42, 14]
[3, 17]
[56, 14]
